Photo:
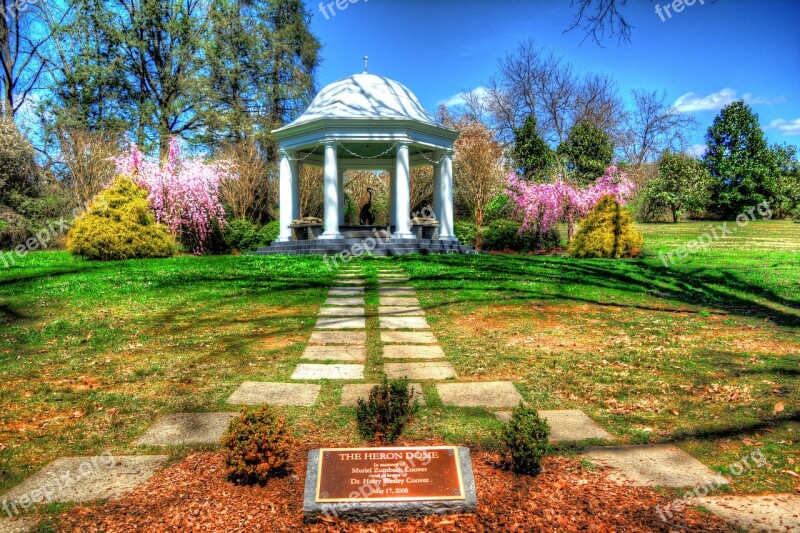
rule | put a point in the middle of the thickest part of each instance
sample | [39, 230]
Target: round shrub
[526, 438]
[18, 170]
[465, 232]
[242, 235]
[120, 225]
[796, 214]
[257, 446]
[607, 232]
[387, 411]
[269, 233]
[505, 236]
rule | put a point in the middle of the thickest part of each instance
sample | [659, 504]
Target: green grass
[697, 354]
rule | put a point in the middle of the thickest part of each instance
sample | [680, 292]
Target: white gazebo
[366, 122]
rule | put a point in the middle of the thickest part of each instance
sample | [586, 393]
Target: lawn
[704, 354]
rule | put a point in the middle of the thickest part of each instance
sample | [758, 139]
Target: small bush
[388, 410]
[498, 208]
[256, 447]
[796, 214]
[269, 233]
[607, 232]
[504, 235]
[242, 235]
[526, 437]
[119, 225]
[465, 232]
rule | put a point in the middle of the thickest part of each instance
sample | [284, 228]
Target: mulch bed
[193, 495]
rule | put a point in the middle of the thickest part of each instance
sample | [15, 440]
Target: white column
[437, 187]
[392, 196]
[286, 204]
[446, 199]
[295, 190]
[331, 193]
[341, 196]
[403, 193]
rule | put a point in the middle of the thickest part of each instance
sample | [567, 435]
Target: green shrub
[504, 235]
[607, 232]
[18, 170]
[269, 233]
[465, 232]
[796, 214]
[120, 225]
[526, 438]
[257, 446]
[498, 208]
[242, 235]
[388, 410]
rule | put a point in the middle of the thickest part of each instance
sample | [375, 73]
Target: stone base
[384, 511]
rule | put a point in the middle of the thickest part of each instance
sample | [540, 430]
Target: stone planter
[306, 232]
[426, 231]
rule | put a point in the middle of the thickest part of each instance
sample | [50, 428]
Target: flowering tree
[184, 193]
[543, 205]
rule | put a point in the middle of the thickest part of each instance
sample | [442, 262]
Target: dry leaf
[779, 407]
[675, 412]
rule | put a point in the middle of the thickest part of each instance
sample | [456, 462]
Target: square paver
[354, 281]
[351, 393]
[84, 479]
[346, 291]
[278, 394]
[186, 428]
[568, 425]
[345, 301]
[404, 322]
[408, 337]
[348, 275]
[396, 310]
[396, 291]
[387, 281]
[492, 394]
[769, 512]
[342, 311]
[399, 300]
[336, 353]
[341, 323]
[338, 337]
[652, 465]
[315, 372]
[391, 275]
[423, 371]
[404, 351]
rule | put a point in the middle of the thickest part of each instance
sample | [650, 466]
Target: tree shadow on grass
[636, 278]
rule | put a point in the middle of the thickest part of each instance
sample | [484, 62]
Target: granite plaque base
[381, 511]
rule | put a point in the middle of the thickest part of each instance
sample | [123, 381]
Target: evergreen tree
[531, 153]
[739, 160]
[588, 151]
[682, 184]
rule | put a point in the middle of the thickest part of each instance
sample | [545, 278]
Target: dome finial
[366, 64]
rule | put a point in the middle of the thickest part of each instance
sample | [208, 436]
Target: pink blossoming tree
[543, 205]
[183, 193]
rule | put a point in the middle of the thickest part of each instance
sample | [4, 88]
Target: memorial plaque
[389, 474]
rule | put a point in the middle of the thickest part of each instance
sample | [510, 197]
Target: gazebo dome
[365, 96]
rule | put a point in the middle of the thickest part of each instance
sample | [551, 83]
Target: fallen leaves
[779, 407]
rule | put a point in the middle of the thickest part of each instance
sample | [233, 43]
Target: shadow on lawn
[732, 431]
[694, 287]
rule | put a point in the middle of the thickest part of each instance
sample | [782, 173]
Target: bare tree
[421, 188]
[478, 167]
[600, 19]
[311, 197]
[25, 31]
[87, 158]
[253, 195]
[655, 126]
[598, 103]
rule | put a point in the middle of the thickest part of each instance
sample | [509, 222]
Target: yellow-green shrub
[607, 232]
[120, 225]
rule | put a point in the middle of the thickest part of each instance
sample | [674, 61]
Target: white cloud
[692, 102]
[458, 99]
[786, 127]
[696, 150]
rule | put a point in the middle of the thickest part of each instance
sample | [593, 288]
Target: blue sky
[706, 56]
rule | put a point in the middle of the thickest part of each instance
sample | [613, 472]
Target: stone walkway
[337, 351]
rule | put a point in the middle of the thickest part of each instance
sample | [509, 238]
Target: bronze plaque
[389, 474]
